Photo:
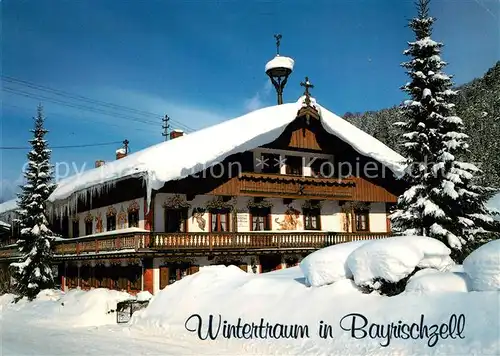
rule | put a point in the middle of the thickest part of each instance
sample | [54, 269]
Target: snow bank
[436, 281]
[89, 308]
[212, 281]
[201, 151]
[283, 297]
[328, 265]
[229, 290]
[76, 308]
[394, 258]
[143, 296]
[232, 296]
[483, 267]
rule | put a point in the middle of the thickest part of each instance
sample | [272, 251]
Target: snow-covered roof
[121, 150]
[280, 62]
[200, 150]
[9, 205]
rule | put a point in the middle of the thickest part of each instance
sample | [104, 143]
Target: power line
[67, 146]
[71, 96]
[73, 105]
[82, 107]
[81, 118]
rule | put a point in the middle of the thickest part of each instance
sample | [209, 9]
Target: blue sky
[202, 62]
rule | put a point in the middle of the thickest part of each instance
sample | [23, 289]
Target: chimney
[120, 153]
[176, 133]
[99, 163]
[123, 151]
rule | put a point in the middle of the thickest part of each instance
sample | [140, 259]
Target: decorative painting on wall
[122, 219]
[347, 209]
[111, 211]
[98, 225]
[197, 215]
[134, 206]
[291, 220]
[176, 201]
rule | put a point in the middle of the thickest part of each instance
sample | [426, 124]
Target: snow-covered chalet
[260, 191]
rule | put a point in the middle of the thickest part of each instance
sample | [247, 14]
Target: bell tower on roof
[279, 69]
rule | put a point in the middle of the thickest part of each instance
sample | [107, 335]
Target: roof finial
[278, 41]
[307, 84]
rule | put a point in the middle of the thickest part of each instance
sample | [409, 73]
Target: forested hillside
[478, 104]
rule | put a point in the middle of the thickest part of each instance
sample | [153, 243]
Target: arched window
[89, 226]
[75, 227]
[111, 219]
[133, 215]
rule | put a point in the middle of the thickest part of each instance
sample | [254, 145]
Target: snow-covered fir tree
[442, 200]
[34, 273]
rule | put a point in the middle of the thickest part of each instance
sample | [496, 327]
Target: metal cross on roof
[278, 41]
[307, 84]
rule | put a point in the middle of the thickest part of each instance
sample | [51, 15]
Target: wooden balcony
[103, 244]
[295, 186]
[254, 240]
[203, 242]
[9, 253]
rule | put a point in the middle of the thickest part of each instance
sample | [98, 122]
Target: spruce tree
[34, 273]
[442, 200]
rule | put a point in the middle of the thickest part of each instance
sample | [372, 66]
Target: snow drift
[282, 299]
[483, 267]
[435, 281]
[76, 308]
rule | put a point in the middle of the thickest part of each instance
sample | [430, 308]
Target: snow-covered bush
[483, 267]
[386, 265]
[328, 265]
[435, 281]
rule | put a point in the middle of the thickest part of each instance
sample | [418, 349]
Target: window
[133, 218]
[260, 218]
[270, 163]
[361, 217]
[89, 228]
[322, 168]
[65, 226]
[76, 228]
[175, 220]
[312, 219]
[111, 222]
[294, 165]
[219, 220]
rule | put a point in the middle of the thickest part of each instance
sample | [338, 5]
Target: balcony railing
[118, 243]
[10, 252]
[201, 242]
[254, 240]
